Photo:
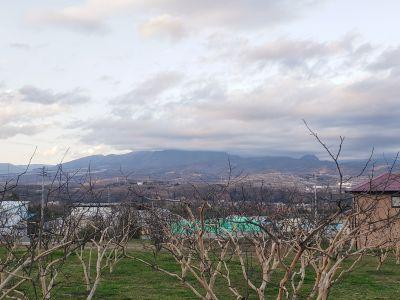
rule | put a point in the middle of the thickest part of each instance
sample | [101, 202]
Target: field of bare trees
[246, 245]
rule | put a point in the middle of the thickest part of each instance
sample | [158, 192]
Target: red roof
[388, 182]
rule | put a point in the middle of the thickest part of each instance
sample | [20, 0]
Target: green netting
[233, 224]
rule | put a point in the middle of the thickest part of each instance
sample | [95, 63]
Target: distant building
[14, 217]
[378, 204]
[88, 210]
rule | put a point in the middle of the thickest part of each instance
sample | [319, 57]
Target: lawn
[133, 280]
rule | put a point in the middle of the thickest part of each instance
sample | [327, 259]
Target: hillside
[181, 164]
[209, 164]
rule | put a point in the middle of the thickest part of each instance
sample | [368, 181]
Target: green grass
[133, 280]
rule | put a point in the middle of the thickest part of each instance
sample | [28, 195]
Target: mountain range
[173, 164]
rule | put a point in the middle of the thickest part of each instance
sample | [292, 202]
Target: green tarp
[233, 224]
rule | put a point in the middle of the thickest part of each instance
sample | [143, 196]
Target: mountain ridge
[186, 161]
[175, 163]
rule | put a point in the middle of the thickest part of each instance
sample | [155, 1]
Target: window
[395, 201]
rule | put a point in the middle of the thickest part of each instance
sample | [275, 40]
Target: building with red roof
[385, 183]
[377, 202]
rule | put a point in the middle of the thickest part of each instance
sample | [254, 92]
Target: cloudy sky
[100, 76]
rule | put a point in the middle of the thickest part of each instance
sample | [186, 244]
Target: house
[86, 211]
[378, 205]
[91, 210]
[14, 217]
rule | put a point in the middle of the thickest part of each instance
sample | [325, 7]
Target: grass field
[133, 280]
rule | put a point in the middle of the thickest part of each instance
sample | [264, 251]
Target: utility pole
[43, 174]
[42, 270]
[315, 198]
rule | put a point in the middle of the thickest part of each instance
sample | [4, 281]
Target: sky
[89, 77]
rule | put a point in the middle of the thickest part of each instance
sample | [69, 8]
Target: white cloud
[163, 26]
[88, 17]
[252, 70]
[91, 15]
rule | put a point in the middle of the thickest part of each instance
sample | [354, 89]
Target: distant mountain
[148, 160]
[6, 168]
[178, 164]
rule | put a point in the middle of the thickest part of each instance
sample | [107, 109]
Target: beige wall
[379, 221]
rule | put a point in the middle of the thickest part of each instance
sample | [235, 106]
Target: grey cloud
[208, 91]
[159, 134]
[366, 112]
[290, 53]
[108, 79]
[46, 97]
[372, 100]
[271, 100]
[206, 118]
[8, 131]
[145, 92]
[376, 92]
[22, 46]
[19, 117]
[210, 115]
[152, 87]
[389, 59]
[384, 141]
[306, 54]
[105, 78]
